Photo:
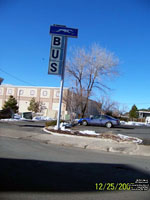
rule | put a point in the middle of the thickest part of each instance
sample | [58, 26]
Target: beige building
[47, 96]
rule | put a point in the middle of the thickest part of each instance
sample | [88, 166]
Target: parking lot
[141, 132]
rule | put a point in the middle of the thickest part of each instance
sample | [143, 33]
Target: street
[35, 170]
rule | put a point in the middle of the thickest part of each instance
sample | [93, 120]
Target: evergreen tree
[11, 103]
[34, 106]
[133, 112]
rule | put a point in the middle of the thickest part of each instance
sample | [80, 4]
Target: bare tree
[107, 106]
[71, 99]
[88, 68]
[124, 108]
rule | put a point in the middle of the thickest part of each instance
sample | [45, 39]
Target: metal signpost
[57, 59]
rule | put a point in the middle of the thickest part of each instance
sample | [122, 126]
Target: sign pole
[60, 34]
[61, 86]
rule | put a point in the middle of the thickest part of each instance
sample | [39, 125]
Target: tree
[107, 106]
[133, 112]
[34, 106]
[72, 101]
[12, 104]
[88, 68]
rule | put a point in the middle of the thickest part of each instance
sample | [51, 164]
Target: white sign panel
[55, 67]
[56, 54]
[57, 41]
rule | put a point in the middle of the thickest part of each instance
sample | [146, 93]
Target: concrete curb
[93, 143]
[106, 145]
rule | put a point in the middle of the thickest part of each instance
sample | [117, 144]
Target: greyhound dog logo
[64, 30]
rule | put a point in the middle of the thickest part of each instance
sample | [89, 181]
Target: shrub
[124, 119]
[11, 103]
[52, 123]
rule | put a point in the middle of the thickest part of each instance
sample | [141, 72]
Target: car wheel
[108, 124]
[84, 123]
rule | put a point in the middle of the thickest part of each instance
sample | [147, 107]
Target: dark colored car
[100, 120]
[6, 113]
[27, 115]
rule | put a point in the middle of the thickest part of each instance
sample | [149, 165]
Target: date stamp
[112, 186]
[138, 185]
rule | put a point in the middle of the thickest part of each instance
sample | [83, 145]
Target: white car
[147, 120]
[16, 116]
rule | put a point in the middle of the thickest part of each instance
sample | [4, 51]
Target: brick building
[48, 96]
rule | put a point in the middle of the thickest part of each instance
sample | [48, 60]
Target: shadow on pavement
[119, 127]
[35, 125]
[125, 127]
[44, 176]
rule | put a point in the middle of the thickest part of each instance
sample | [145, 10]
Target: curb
[107, 145]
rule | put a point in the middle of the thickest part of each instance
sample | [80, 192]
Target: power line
[18, 79]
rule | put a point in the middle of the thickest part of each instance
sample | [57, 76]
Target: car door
[103, 120]
[95, 120]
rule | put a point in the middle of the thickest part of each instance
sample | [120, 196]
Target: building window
[9, 91]
[20, 92]
[32, 92]
[57, 94]
[44, 93]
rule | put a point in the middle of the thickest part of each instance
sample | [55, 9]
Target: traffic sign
[61, 30]
[55, 67]
[56, 55]
[58, 41]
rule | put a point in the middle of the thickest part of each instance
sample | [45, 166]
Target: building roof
[143, 111]
[9, 85]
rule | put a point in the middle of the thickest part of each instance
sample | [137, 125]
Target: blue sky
[120, 26]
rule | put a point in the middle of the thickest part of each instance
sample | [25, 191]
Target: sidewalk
[107, 145]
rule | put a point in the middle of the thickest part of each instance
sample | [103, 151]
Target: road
[38, 171]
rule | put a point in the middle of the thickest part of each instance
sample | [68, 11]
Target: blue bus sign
[57, 55]
[65, 31]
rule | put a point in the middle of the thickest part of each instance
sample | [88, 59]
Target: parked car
[16, 116]
[6, 113]
[27, 115]
[100, 120]
[147, 120]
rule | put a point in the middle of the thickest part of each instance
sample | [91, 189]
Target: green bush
[123, 119]
[52, 123]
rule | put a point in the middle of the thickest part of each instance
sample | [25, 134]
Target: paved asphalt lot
[32, 170]
[141, 132]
